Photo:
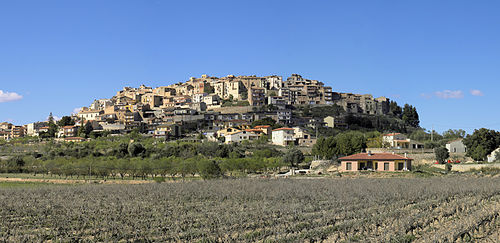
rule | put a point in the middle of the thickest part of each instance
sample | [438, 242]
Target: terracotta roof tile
[375, 156]
[283, 128]
[391, 134]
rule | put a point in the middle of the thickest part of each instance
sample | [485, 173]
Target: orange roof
[265, 126]
[455, 140]
[375, 156]
[68, 126]
[253, 130]
[392, 134]
[283, 128]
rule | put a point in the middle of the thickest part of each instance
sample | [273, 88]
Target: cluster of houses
[212, 104]
[8, 131]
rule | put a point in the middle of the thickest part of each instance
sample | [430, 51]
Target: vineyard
[440, 209]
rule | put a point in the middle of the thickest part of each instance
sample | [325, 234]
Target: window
[348, 166]
[386, 166]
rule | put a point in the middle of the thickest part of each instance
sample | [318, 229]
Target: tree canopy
[410, 116]
[345, 143]
[442, 154]
[481, 143]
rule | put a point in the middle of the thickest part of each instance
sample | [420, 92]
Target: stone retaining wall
[468, 167]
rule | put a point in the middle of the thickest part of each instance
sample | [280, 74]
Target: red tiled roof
[283, 128]
[253, 130]
[455, 140]
[392, 134]
[375, 156]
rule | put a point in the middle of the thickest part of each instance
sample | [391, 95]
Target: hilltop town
[229, 109]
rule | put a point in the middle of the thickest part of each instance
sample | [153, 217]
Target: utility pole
[432, 134]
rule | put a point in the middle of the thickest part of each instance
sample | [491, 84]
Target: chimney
[405, 155]
[369, 153]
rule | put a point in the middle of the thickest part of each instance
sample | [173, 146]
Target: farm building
[375, 161]
[456, 146]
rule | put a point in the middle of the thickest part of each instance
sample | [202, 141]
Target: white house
[283, 136]
[239, 136]
[494, 155]
[198, 98]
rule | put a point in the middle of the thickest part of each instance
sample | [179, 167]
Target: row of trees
[139, 156]
[346, 143]
[113, 167]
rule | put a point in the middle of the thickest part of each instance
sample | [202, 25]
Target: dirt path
[63, 181]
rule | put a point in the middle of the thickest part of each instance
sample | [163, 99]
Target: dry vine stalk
[376, 210]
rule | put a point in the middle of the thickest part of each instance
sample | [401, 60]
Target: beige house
[398, 140]
[266, 129]
[333, 122]
[5, 126]
[375, 161]
[89, 115]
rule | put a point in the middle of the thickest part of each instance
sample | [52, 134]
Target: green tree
[293, 157]
[325, 147]
[52, 126]
[441, 154]
[85, 130]
[208, 89]
[395, 109]
[481, 143]
[350, 142]
[136, 149]
[66, 121]
[244, 95]
[208, 169]
[410, 116]
[454, 134]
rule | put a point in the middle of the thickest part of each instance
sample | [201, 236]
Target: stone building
[363, 104]
[300, 91]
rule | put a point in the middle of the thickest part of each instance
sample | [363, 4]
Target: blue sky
[440, 56]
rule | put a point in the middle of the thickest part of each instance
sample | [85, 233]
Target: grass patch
[19, 184]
